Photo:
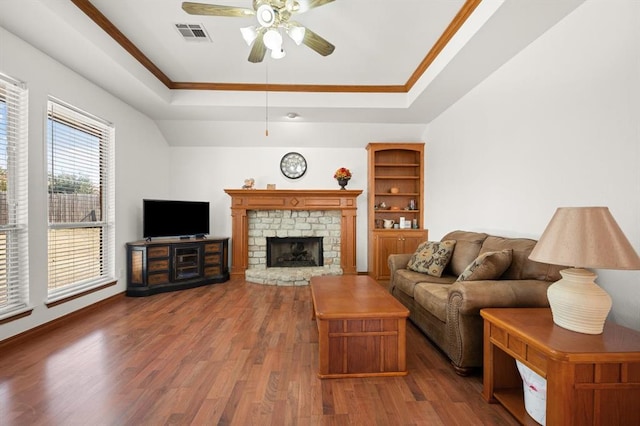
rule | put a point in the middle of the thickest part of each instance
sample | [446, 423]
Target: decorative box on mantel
[243, 200]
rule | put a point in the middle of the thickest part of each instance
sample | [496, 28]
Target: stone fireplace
[294, 252]
[316, 230]
[258, 214]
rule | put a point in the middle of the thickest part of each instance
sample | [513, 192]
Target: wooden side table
[591, 379]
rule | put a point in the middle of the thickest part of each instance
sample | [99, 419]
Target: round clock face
[293, 165]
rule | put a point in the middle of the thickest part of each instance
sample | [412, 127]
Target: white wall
[559, 125]
[146, 167]
[204, 173]
[243, 151]
[142, 161]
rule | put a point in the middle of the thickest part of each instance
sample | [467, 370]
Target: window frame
[15, 270]
[80, 121]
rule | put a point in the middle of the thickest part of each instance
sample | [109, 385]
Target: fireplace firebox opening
[294, 252]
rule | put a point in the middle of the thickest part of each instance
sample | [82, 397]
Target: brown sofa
[447, 311]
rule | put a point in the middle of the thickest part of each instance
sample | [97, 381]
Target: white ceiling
[378, 42]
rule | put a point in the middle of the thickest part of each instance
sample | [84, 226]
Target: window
[14, 250]
[81, 201]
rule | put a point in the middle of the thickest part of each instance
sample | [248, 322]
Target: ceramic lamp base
[578, 303]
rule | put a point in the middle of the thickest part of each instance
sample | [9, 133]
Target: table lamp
[582, 237]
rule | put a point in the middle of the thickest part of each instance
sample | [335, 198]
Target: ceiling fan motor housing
[266, 15]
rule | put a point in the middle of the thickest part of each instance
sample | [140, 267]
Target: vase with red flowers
[342, 175]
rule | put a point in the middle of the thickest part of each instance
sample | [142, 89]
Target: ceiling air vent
[193, 32]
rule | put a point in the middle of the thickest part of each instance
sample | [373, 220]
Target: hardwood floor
[235, 353]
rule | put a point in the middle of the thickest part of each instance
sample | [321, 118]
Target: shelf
[399, 229]
[398, 165]
[396, 177]
[513, 401]
[187, 275]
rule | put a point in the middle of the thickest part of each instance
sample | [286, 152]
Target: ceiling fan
[274, 18]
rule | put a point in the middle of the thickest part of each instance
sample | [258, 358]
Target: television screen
[173, 218]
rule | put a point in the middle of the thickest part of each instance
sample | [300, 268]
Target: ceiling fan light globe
[273, 40]
[278, 53]
[266, 15]
[296, 34]
[249, 34]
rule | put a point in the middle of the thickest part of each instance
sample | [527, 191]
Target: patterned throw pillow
[431, 257]
[487, 266]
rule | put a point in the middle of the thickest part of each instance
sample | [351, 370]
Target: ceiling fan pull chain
[266, 109]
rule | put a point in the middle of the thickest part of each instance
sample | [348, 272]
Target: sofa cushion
[521, 267]
[487, 266]
[431, 257]
[467, 248]
[433, 298]
[406, 280]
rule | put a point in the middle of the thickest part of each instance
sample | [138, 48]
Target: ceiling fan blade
[304, 5]
[258, 50]
[216, 10]
[317, 43]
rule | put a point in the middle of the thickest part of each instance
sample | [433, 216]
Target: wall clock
[293, 165]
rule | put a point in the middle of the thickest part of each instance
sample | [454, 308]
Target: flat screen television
[173, 218]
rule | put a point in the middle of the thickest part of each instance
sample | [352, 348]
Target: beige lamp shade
[582, 237]
[585, 237]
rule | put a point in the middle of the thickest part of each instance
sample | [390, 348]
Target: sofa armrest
[468, 297]
[398, 261]
[395, 262]
[464, 324]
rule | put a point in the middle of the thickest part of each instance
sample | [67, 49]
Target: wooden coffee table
[361, 328]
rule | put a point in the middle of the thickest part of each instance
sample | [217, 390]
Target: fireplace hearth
[294, 252]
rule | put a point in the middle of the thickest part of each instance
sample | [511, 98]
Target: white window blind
[14, 250]
[81, 201]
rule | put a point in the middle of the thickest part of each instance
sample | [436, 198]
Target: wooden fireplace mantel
[243, 200]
